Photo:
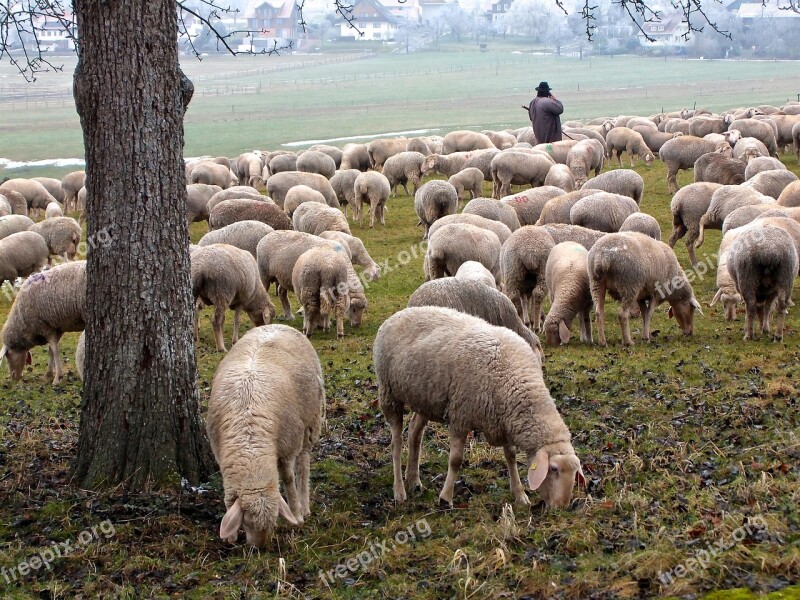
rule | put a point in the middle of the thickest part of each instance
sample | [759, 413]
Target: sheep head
[553, 471]
[17, 359]
[683, 311]
[257, 513]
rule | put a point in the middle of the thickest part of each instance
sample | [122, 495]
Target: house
[372, 19]
[273, 21]
[405, 11]
[668, 31]
[52, 34]
[497, 11]
[435, 10]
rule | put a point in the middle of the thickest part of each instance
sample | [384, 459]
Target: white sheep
[622, 139]
[602, 211]
[314, 218]
[299, 194]
[643, 223]
[522, 266]
[492, 209]
[567, 279]
[371, 188]
[475, 271]
[319, 279]
[452, 245]
[528, 204]
[688, 206]
[470, 180]
[434, 200]
[359, 253]
[499, 229]
[21, 254]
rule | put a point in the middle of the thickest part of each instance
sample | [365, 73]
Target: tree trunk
[140, 414]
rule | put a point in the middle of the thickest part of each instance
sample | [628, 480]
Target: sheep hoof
[522, 500]
[399, 496]
[445, 503]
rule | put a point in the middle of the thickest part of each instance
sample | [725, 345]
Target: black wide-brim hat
[543, 87]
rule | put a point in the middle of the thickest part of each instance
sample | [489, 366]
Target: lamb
[625, 182]
[245, 235]
[688, 207]
[404, 168]
[478, 300]
[447, 165]
[212, 173]
[760, 130]
[227, 277]
[584, 157]
[197, 198]
[71, 183]
[747, 214]
[452, 245]
[53, 210]
[359, 253]
[381, 149]
[10, 224]
[681, 153]
[771, 183]
[522, 266]
[312, 161]
[279, 185]
[499, 229]
[355, 156]
[602, 211]
[491, 209]
[434, 200]
[638, 270]
[468, 180]
[62, 235]
[48, 305]
[643, 223]
[529, 203]
[21, 254]
[299, 194]
[748, 148]
[477, 272]
[762, 163]
[319, 279]
[567, 279]
[420, 355]
[556, 210]
[717, 167]
[562, 232]
[314, 218]
[465, 141]
[370, 188]
[36, 195]
[264, 415]
[790, 196]
[763, 263]
[231, 211]
[560, 176]
[512, 167]
[724, 201]
[343, 186]
[622, 139]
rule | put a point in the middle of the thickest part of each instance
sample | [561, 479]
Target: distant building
[373, 20]
[53, 34]
[665, 32]
[273, 21]
[404, 10]
[498, 10]
[768, 10]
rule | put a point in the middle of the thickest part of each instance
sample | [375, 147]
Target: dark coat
[544, 114]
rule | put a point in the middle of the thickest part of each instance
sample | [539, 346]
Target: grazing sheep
[625, 182]
[227, 277]
[556, 150]
[231, 211]
[716, 167]
[702, 126]
[381, 149]
[556, 210]
[726, 289]
[638, 270]
[681, 153]
[602, 211]
[21, 254]
[62, 235]
[562, 232]
[72, 183]
[53, 186]
[279, 185]
[584, 157]
[402, 169]
[747, 214]
[211, 173]
[17, 202]
[522, 266]
[761, 164]
[355, 156]
[10, 224]
[771, 183]
[763, 263]
[299, 194]
[53, 210]
[371, 188]
[499, 229]
[790, 196]
[314, 218]
[529, 203]
[567, 279]
[465, 141]
[332, 151]
[418, 144]
[5, 206]
[48, 305]
[264, 416]
[320, 163]
[245, 235]
[357, 299]
[282, 163]
[480, 159]
[434, 200]
[688, 206]
[420, 357]
[36, 195]
[590, 134]
[359, 253]
[622, 139]
[643, 223]
[560, 176]
[235, 192]
[452, 245]
[197, 198]
[470, 180]
[501, 139]
[343, 183]
[759, 130]
[477, 272]
[448, 165]
[492, 209]
[655, 139]
[478, 300]
[748, 148]
[248, 168]
[512, 167]
[319, 279]
[723, 202]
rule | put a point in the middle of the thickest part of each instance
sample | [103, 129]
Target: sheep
[465, 141]
[479, 300]
[404, 168]
[279, 185]
[512, 167]
[477, 272]
[355, 156]
[747, 214]
[625, 182]
[717, 167]
[53, 186]
[763, 263]
[702, 126]
[748, 148]
[319, 279]
[655, 139]
[556, 210]
[197, 198]
[235, 192]
[227, 277]
[643, 223]
[501, 139]
[567, 280]
[231, 211]
[371, 188]
[381, 149]
[590, 134]
[681, 153]
[62, 235]
[562, 232]
[529, 203]
[312, 161]
[556, 150]
[584, 157]
[470, 180]
[480, 159]
[299, 194]
[418, 144]
[677, 126]
[771, 183]
[357, 299]
[359, 253]
[602, 211]
[211, 173]
[264, 415]
[638, 270]
[245, 235]
[314, 218]
[282, 163]
[420, 355]
[36, 195]
[560, 176]
[21, 254]
[788, 224]
[688, 206]
[762, 163]
[53, 210]
[343, 183]
[723, 202]
[622, 139]
[248, 168]
[726, 289]
[332, 151]
[5, 206]
[522, 267]
[790, 196]
[784, 124]
[448, 165]
[757, 129]
[491, 209]
[434, 200]
[796, 139]
[71, 183]
[48, 305]
[17, 202]
[499, 229]
[11, 224]
[452, 245]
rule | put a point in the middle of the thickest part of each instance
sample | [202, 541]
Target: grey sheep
[211, 173]
[763, 263]
[760, 130]
[197, 197]
[560, 176]
[716, 167]
[501, 139]
[771, 183]
[62, 235]
[583, 158]
[434, 200]
[36, 195]
[622, 139]
[10, 224]
[5, 206]
[343, 186]
[264, 416]
[282, 163]
[567, 279]
[19, 205]
[381, 149]
[492, 209]
[72, 183]
[404, 168]
[522, 266]
[279, 185]
[638, 271]
[332, 151]
[53, 210]
[358, 252]
[528, 204]
[231, 211]
[478, 300]
[418, 144]
[319, 279]
[21, 254]
[556, 210]
[299, 194]
[245, 235]
[447, 165]
[420, 357]
[681, 153]
[452, 245]
[312, 161]
[762, 163]
[562, 232]
[314, 218]
[625, 182]
[224, 277]
[688, 207]
[723, 202]
[355, 156]
[747, 214]
[248, 168]
[465, 141]
[372, 189]
[643, 223]
[48, 305]
[470, 180]
[481, 159]
[655, 139]
[702, 126]
[512, 167]
[53, 186]
[748, 148]
[235, 192]
[499, 229]
[790, 196]
[602, 211]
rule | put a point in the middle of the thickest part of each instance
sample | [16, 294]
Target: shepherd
[544, 111]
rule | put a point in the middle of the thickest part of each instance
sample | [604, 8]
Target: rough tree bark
[140, 413]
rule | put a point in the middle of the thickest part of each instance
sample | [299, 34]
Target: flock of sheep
[572, 233]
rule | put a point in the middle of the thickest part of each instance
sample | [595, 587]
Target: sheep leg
[690, 241]
[780, 319]
[585, 324]
[237, 315]
[625, 323]
[525, 300]
[750, 314]
[647, 309]
[374, 210]
[513, 475]
[302, 474]
[219, 324]
[672, 180]
[339, 312]
[599, 295]
[416, 428]
[458, 440]
[383, 214]
[286, 471]
[54, 363]
[283, 295]
[763, 312]
[394, 418]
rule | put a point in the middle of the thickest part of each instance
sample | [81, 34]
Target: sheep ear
[286, 512]
[670, 313]
[580, 478]
[716, 297]
[231, 522]
[28, 359]
[696, 304]
[563, 332]
[538, 469]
